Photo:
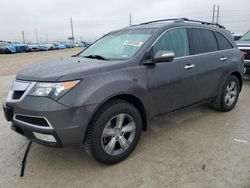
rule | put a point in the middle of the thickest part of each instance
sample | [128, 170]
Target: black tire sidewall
[121, 107]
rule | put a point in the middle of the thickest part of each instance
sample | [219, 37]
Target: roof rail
[164, 20]
[177, 20]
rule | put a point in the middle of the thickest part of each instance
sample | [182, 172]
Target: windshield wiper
[96, 57]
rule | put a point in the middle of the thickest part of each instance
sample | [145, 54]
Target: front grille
[247, 56]
[36, 121]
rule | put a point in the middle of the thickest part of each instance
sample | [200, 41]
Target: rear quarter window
[223, 43]
[202, 41]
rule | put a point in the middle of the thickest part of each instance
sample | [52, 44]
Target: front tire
[113, 132]
[228, 96]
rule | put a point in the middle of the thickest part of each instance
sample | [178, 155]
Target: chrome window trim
[207, 53]
[190, 27]
[33, 125]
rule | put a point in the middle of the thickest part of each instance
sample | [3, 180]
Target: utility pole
[47, 38]
[72, 31]
[36, 35]
[213, 14]
[130, 19]
[218, 14]
[23, 36]
[27, 39]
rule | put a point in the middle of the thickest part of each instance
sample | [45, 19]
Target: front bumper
[30, 133]
[66, 125]
[247, 66]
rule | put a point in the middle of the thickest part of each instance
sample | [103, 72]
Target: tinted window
[223, 42]
[175, 40]
[202, 41]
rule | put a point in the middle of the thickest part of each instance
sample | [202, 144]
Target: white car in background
[50, 46]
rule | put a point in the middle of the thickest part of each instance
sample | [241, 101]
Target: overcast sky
[93, 18]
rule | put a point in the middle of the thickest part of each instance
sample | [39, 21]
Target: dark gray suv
[105, 96]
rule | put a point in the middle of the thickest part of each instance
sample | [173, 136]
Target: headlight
[52, 90]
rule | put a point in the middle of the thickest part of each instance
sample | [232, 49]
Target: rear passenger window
[202, 41]
[175, 40]
[223, 42]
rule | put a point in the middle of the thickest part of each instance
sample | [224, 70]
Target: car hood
[62, 69]
[242, 43]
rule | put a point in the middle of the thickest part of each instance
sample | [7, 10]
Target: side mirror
[163, 56]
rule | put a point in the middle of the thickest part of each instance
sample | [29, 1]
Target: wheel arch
[239, 76]
[138, 104]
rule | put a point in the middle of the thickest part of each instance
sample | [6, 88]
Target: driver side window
[175, 40]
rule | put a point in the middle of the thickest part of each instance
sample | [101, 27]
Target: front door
[172, 85]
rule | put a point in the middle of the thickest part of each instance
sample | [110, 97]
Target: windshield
[118, 45]
[246, 36]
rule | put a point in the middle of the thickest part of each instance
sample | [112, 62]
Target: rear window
[223, 42]
[202, 41]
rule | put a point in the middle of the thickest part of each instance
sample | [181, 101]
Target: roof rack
[183, 20]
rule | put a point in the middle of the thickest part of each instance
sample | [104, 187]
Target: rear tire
[114, 132]
[228, 96]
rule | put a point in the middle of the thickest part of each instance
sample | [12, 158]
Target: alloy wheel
[118, 134]
[231, 93]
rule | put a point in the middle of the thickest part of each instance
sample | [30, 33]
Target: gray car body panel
[102, 80]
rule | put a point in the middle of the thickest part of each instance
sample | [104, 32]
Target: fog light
[44, 137]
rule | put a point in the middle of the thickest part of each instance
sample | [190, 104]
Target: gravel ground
[193, 148]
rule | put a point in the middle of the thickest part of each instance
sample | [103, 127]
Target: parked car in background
[59, 46]
[78, 45]
[50, 46]
[86, 44]
[69, 45]
[6, 48]
[244, 45]
[106, 95]
[20, 47]
[33, 47]
[237, 36]
[42, 47]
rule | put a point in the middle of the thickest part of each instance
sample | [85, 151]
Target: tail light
[243, 55]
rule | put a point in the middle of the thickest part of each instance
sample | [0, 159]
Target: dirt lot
[193, 148]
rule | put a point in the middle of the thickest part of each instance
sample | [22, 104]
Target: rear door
[227, 52]
[205, 50]
[172, 85]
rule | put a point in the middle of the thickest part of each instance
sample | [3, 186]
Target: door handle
[223, 58]
[189, 66]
